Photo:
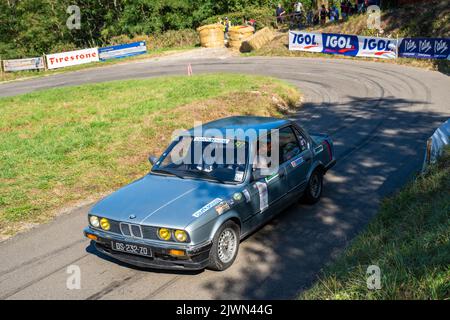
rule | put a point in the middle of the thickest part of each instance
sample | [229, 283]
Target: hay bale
[237, 34]
[211, 36]
[258, 40]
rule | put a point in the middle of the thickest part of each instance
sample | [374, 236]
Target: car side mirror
[152, 160]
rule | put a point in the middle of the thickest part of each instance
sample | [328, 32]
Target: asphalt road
[379, 115]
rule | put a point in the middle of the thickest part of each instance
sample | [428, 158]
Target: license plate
[136, 249]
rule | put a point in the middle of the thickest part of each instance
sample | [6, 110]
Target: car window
[289, 147]
[302, 140]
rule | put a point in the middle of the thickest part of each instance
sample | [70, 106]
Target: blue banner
[424, 48]
[340, 44]
[122, 50]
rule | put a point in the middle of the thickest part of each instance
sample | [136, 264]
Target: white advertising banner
[72, 58]
[23, 64]
[305, 41]
[384, 48]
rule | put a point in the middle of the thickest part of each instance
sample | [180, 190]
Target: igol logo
[376, 44]
[339, 42]
[308, 40]
[379, 45]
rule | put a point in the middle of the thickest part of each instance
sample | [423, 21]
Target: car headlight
[104, 223]
[180, 235]
[93, 220]
[164, 234]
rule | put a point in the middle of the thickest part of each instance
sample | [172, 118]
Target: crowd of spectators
[338, 10]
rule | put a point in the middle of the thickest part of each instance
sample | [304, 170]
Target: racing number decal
[263, 195]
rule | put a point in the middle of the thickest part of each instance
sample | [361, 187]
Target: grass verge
[61, 146]
[409, 240]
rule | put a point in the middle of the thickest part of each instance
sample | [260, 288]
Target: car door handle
[282, 174]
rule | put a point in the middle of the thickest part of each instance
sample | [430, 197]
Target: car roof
[242, 123]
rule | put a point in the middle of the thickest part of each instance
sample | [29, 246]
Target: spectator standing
[336, 13]
[323, 15]
[310, 17]
[226, 27]
[344, 10]
[298, 12]
[280, 13]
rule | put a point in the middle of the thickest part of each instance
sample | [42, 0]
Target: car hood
[163, 201]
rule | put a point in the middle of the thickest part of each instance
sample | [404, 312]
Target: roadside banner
[72, 58]
[377, 47]
[23, 64]
[122, 50]
[342, 44]
[424, 48]
[305, 41]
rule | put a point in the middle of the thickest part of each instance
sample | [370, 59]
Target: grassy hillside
[430, 20]
[62, 146]
[409, 240]
[419, 20]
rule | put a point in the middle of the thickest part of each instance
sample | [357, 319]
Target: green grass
[409, 240]
[61, 146]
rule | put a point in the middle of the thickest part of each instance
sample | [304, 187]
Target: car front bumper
[196, 257]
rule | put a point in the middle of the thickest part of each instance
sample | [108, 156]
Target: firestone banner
[72, 58]
[424, 48]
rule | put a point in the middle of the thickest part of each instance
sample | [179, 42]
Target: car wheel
[225, 246]
[314, 188]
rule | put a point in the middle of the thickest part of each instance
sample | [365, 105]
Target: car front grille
[134, 230]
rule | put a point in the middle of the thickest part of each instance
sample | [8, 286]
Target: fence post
[45, 62]
[397, 48]
[1, 68]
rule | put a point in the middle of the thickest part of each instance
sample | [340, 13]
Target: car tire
[314, 188]
[222, 255]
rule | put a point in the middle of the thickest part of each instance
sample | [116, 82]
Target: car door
[270, 188]
[300, 163]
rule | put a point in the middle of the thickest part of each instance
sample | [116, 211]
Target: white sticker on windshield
[263, 195]
[210, 139]
[210, 205]
[239, 175]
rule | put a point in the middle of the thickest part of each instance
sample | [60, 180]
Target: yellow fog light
[180, 235]
[94, 221]
[92, 237]
[164, 234]
[104, 223]
[178, 253]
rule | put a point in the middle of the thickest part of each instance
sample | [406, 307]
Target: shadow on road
[374, 156]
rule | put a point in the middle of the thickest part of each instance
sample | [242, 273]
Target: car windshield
[222, 160]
